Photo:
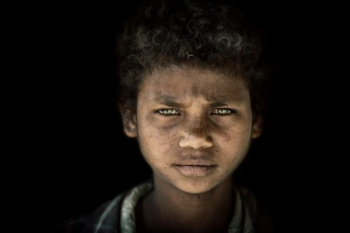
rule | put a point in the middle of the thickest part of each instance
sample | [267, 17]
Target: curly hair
[209, 34]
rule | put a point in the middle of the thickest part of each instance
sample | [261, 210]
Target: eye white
[222, 111]
[168, 112]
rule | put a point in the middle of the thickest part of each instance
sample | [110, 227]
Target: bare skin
[194, 128]
[163, 211]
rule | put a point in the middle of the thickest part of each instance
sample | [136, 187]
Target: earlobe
[129, 122]
[257, 127]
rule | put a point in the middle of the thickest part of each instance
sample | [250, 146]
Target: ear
[257, 127]
[129, 122]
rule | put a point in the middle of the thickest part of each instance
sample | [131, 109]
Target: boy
[193, 94]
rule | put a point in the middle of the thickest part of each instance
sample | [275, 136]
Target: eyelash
[222, 111]
[174, 112]
[168, 112]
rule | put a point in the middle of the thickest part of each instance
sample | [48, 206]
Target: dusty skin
[194, 127]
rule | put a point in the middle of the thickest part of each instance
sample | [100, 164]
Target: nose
[196, 135]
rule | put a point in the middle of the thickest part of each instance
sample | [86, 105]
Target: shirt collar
[240, 222]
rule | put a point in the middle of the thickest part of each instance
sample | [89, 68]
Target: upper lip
[195, 162]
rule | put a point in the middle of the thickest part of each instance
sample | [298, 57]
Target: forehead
[182, 83]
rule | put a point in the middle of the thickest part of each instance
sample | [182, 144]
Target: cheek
[234, 133]
[163, 127]
[233, 144]
[156, 138]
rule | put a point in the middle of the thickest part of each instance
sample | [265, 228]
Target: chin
[195, 186]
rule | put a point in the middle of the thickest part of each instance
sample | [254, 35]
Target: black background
[80, 157]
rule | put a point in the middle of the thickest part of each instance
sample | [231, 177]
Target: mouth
[195, 162]
[195, 170]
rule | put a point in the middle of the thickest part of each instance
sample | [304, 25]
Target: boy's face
[191, 117]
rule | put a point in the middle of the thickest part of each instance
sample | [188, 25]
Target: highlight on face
[194, 126]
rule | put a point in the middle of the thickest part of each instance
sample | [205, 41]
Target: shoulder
[72, 225]
[259, 216]
[104, 217]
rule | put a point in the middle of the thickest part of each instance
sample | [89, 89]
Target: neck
[205, 212]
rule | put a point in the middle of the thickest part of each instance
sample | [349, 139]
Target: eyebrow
[213, 101]
[168, 100]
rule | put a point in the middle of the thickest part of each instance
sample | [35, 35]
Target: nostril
[196, 142]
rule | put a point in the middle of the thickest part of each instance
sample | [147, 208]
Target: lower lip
[195, 170]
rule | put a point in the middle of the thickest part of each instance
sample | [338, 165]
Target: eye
[168, 112]
[222, 111]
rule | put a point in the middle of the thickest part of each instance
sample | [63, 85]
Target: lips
[195, 170]
[195, 162]
[195, 167]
